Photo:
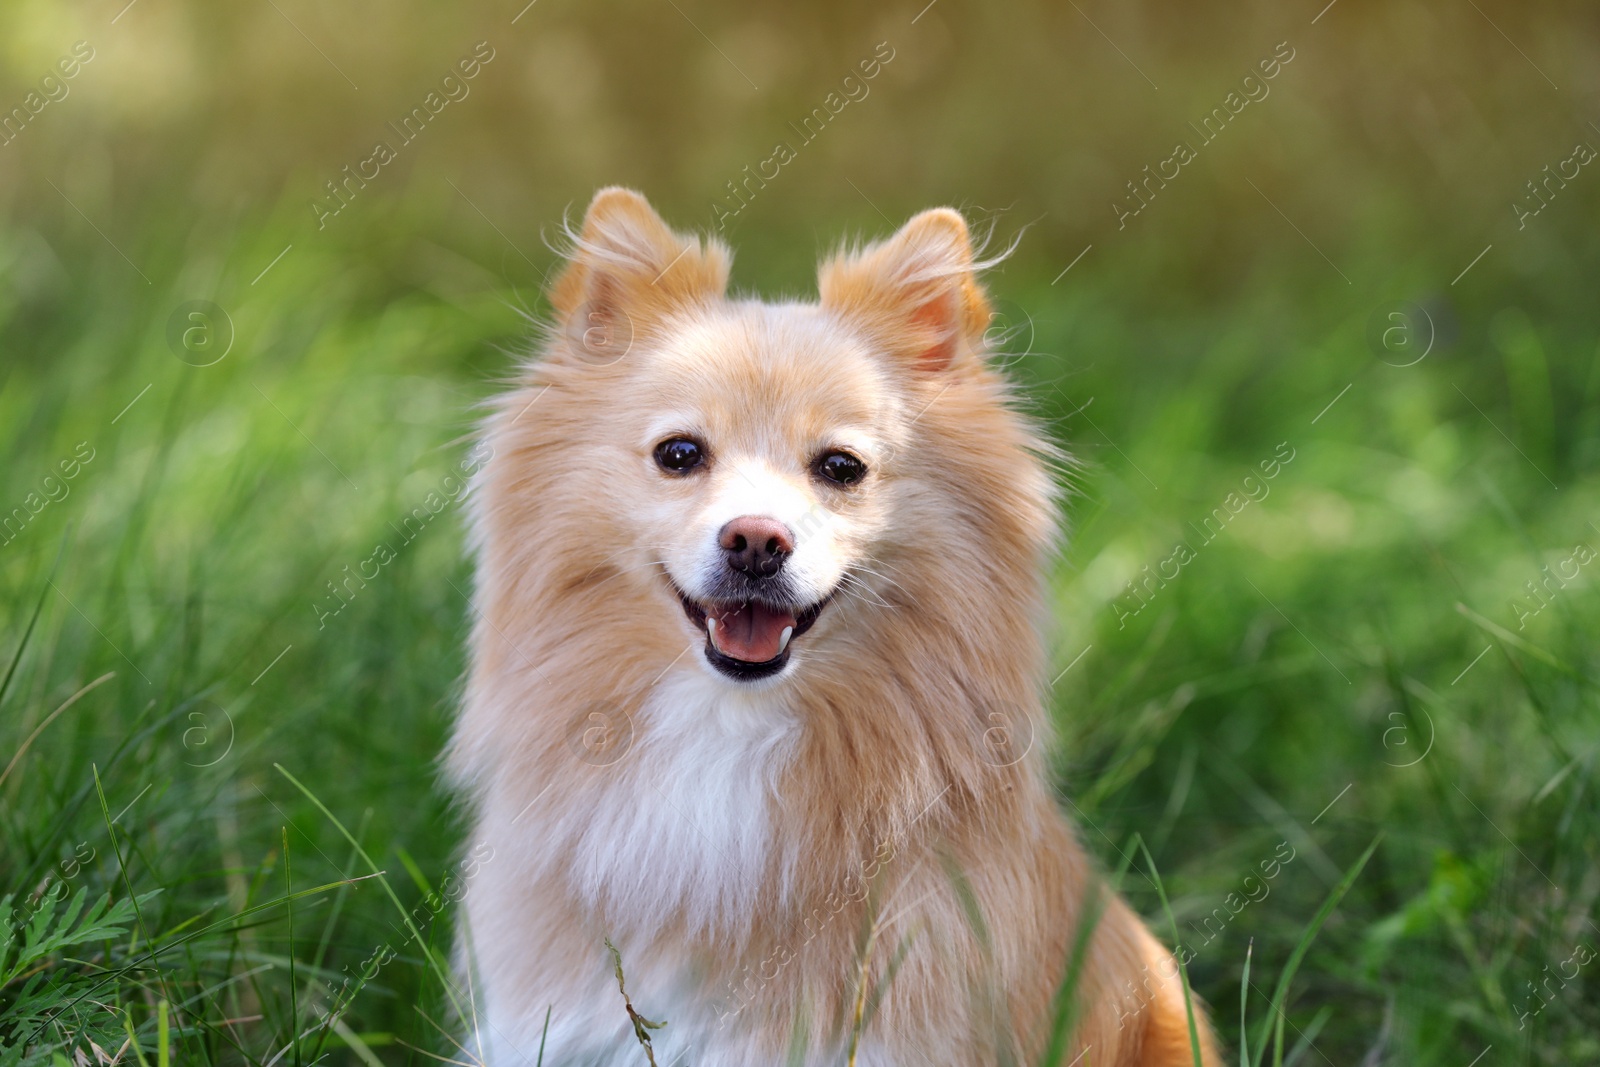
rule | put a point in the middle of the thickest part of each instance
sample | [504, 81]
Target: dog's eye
[841, 467]
[679, 454]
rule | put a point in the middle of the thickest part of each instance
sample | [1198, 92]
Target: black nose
[755, 546]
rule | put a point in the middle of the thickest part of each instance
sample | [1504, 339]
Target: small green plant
[45, 992]
[641, 1025]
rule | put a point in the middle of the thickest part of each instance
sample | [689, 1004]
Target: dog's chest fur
[686, 826]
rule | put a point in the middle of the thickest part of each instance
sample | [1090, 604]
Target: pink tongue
[751, 632]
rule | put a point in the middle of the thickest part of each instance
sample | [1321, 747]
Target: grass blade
[1244, 1001]
[1183, 970]
[294, 982]
[22, 645]
[1281, 991]
[1065, 1012]
[427, 952]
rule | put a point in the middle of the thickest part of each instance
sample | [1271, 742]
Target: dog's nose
[756, 546]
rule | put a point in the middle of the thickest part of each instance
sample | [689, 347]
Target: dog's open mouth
[747, 639]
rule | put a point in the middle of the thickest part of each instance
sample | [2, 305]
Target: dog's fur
[880, 806]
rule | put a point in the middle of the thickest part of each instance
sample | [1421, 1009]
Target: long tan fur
[878, 811]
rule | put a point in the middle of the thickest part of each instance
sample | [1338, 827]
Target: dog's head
[743, 475]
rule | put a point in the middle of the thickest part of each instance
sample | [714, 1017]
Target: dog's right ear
[627, 271]
[916, 294]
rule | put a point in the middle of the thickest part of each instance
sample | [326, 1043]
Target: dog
[753, 724]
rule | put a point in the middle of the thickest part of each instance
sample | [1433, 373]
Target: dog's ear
[916, 294]
[628, 270]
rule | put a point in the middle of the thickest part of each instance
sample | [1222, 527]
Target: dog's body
[756, 679]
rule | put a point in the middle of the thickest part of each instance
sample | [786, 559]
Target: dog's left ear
[628, 270]
[916, 294]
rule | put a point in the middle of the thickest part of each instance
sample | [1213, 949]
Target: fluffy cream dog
[754, 673]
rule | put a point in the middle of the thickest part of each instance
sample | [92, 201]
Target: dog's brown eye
[679, 454]
[841, 467]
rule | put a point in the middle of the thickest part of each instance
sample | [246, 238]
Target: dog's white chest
[687, 829]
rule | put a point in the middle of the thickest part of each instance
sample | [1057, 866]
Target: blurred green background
[1355, 272]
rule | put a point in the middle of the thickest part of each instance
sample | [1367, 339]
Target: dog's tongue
[751, 632]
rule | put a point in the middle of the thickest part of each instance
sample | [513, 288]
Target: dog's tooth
[783, 642]
[711, 629]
